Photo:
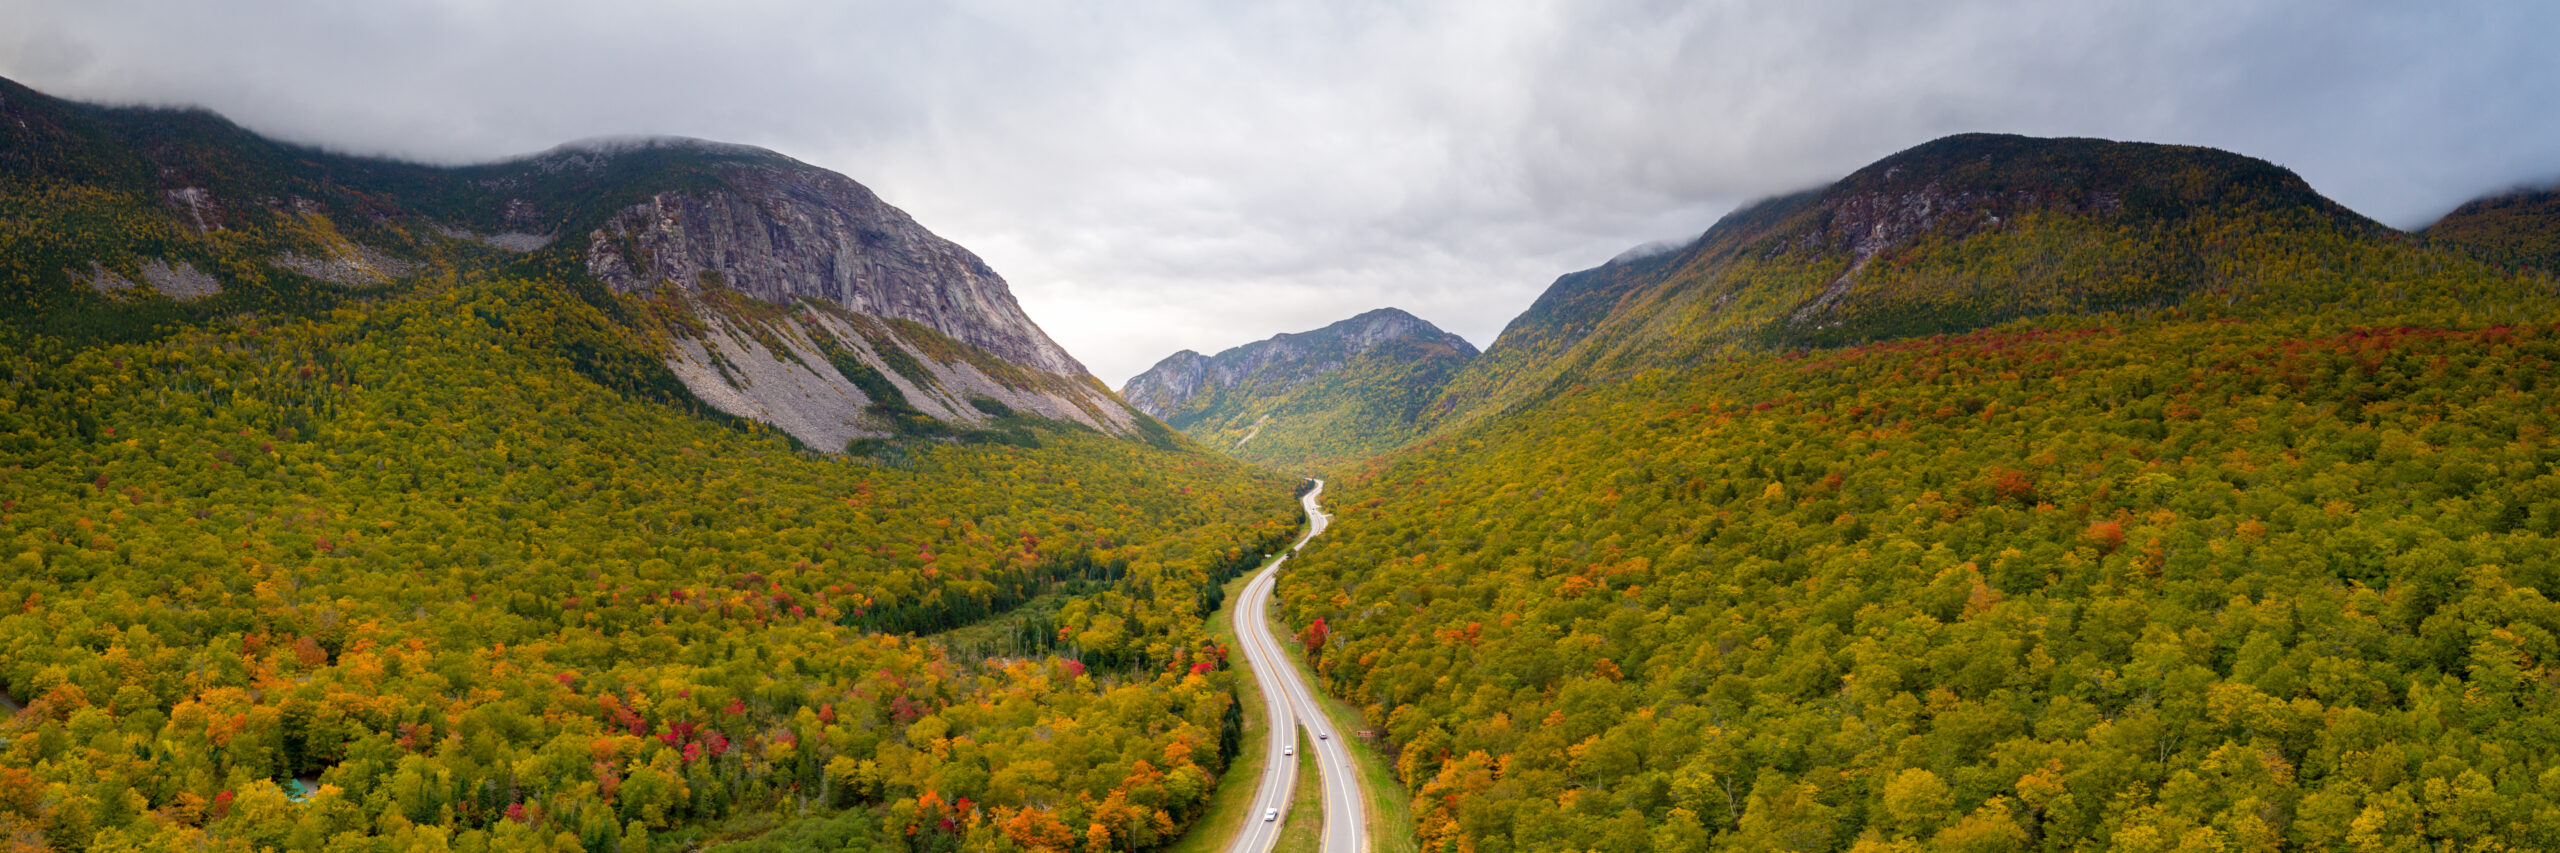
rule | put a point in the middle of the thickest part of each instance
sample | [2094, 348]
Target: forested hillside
[2520, 227]
[409, 555]
[2098, 585]
[2219, 519]
[349, 504]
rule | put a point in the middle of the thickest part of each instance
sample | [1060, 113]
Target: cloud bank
[1154, 176]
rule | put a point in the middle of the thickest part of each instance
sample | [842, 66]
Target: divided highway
[1292, 705]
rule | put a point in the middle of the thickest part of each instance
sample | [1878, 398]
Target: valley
[1293, 708]
[2005, 493]
[516, 507]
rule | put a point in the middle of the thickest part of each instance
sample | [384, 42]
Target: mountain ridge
[1165, 387]
[738, 268]
[1959, 233]
[1266, 400]
[1953, 235]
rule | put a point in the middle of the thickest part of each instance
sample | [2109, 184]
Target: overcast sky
[1153, 176]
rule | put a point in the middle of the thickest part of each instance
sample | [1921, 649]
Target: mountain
[765, 288]
[2521, 226]
[2008, 494]
[1303, 400]
[355, 504]
[1960, 233]
[1957, 234]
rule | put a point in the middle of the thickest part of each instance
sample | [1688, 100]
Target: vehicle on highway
[1292, 713]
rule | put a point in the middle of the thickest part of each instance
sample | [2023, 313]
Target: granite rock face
[832, 263]
[1177, 379]
[780, 231]
[804, 372]
[180, 281]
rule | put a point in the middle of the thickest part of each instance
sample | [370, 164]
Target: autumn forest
[2006, 494]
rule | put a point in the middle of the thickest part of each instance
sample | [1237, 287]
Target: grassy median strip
[1232, 803]
[1389, 811]
[1304, 832]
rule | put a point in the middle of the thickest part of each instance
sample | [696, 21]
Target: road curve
[1292, 705]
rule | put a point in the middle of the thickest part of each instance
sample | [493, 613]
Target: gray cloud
[1158, 175]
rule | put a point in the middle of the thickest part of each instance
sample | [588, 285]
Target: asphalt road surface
[1292, 705]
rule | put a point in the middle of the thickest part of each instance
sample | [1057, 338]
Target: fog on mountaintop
[1153, 177]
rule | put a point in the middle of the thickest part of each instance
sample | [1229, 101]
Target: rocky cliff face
[1171, 382]
[779, 231]
[1171, 390]
[821, 262]
[828, 376]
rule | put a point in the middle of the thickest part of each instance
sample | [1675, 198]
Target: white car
[1289, 749]
[1324, 736]
[1270, 814]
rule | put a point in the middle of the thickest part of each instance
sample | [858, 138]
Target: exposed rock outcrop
[513, 241]
[351, 265]
[831, 261]
[780, 231]
[180, 281]
[798, 372]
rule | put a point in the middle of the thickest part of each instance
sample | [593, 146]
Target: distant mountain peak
[1162, 389]
[1367, 329]
[1291, 392]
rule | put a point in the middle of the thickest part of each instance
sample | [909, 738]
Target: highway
[1292, 705]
